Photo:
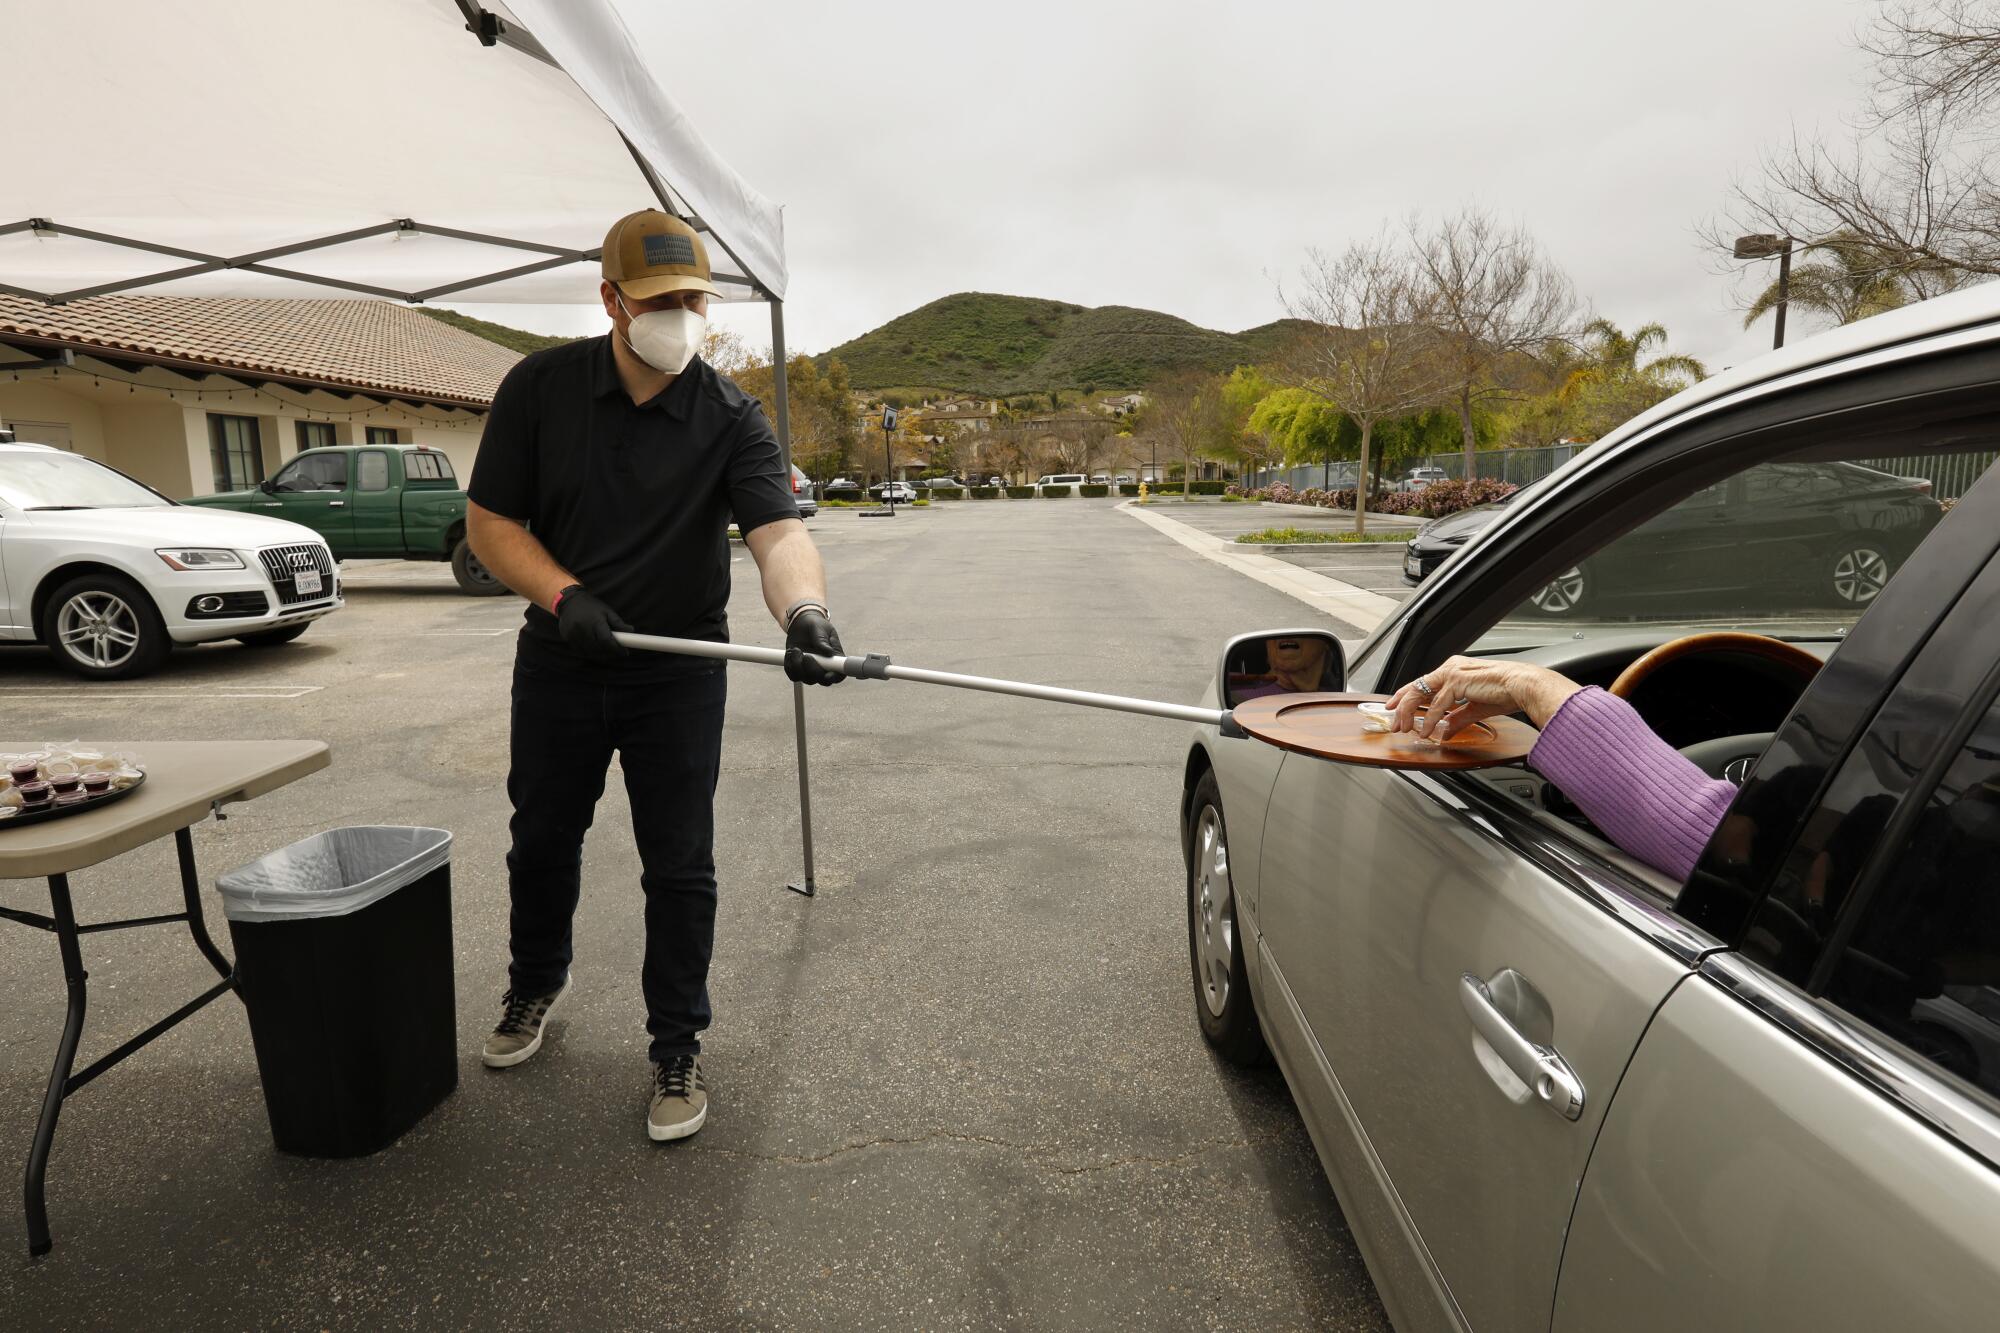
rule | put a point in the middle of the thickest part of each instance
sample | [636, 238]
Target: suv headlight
[199, 557]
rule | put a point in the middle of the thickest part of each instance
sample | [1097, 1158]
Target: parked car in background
[1440, 538]
[1100, 479]
[1419, 477]
[1124, 479]
[842, 482]
[378, 501]
[802, 494]
[893, 492]
[1559, 1089]
[109, 574]
[1060, 479]
[996, 481]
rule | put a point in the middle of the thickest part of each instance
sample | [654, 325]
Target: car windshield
[1796, 550]
[37, 479]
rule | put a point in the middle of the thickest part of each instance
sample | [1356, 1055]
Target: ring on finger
[1424, 686]
[1460, 702]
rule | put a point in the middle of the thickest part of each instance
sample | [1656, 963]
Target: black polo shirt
[635, 500]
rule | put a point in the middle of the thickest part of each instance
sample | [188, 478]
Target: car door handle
[1542, 1068]
[336, 504]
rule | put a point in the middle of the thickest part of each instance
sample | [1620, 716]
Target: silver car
[1556, 1089]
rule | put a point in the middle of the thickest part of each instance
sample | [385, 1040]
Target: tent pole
[783, 424]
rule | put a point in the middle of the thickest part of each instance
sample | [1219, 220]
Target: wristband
[800, 605]
[555, 603]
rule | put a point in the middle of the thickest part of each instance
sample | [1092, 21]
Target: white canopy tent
[417, 150]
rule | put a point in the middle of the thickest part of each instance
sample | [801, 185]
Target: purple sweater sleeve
[1642, 793]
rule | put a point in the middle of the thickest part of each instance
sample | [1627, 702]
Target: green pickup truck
[398, 501]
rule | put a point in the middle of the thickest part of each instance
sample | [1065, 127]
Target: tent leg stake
[806, 886]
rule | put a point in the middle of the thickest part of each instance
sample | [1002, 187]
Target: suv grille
[281, 562]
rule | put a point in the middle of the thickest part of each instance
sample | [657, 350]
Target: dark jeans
[668, 736]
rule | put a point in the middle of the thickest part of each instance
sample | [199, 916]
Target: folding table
[186, 781]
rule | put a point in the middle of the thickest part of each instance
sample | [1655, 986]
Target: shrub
[1020, 492]
[946, 493]
[1130, 488]
[1094, 490]
[1052, 492]
[919, 504]
[1301, 537]
[984, 492]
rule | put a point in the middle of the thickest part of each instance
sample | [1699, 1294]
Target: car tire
[271, 638]
[1223, 1004]
[104, 627]
[1855, 572]
[1563, 595]
[473, 577]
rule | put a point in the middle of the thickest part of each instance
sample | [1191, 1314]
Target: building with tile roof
[195, 395]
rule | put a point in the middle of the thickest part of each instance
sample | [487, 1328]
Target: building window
[382, 435]
[233, 451]
[315, 435]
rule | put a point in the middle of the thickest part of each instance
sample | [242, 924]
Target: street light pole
[1763, 245]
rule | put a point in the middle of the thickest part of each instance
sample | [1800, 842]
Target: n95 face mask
[666, 340]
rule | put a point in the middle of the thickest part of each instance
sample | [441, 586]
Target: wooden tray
[52, 811]
[1327, 726]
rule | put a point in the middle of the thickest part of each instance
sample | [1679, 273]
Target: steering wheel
[1725, 756]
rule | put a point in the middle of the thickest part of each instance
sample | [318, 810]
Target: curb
[1344, 602]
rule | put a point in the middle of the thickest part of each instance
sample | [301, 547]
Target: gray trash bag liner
[332, 873]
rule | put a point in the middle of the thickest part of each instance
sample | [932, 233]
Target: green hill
[519, 340]
[978, 342]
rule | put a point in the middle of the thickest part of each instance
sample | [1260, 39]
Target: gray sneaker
[680, 1099]
[523, 1019]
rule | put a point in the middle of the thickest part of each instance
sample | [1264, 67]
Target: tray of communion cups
[58, 780]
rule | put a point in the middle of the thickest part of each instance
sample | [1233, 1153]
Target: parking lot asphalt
[963, 1087]
[1375, 567]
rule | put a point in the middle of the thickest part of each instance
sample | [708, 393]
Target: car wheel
[104, 627]
[1222, 1000]
[271, 638]
[1563, 594]
[1855, 574]
[472, 576]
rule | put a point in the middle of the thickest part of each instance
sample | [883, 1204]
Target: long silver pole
[875, 667]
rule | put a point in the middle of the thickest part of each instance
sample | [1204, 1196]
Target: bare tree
[1494, 299]
[1369, 348]
[1914, 194]
[1181, 413]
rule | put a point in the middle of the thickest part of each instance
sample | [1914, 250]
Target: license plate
[307, 582]
[1410, 565]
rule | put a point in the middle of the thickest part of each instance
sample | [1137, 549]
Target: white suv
[110, 574]
[1061, 479]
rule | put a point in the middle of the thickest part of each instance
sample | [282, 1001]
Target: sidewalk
[1358, 600]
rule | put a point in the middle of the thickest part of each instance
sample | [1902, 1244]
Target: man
[607, 478]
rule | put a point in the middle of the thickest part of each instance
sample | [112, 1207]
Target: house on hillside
[197, 395]
[958, 415]
[1121, 405]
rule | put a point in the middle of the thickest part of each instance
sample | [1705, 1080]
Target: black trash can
[344, 961]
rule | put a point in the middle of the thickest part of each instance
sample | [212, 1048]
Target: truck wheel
[271, 638]
[473, 577]
[104, 627]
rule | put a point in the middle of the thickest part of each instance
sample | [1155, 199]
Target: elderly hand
[1445, 701]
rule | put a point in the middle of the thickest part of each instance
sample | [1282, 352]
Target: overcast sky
[1182, 157]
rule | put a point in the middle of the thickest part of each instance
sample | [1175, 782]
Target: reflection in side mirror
[1280, 661]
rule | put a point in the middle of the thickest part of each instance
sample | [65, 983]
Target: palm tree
[1612, 355]
[1849, 282]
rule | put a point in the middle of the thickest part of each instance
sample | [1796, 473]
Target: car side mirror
[268, 486]
[1280, 661]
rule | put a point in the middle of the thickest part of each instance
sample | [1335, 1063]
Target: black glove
[586, 624]
[811, 632]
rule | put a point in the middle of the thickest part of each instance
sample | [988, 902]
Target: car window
[372, 471]
[1922, 961]
[427, 466]
[314, 472]
[1798, 550]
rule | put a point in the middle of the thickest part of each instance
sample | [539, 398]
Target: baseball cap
[650, 253]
